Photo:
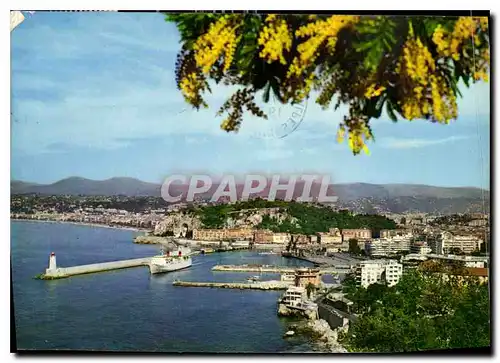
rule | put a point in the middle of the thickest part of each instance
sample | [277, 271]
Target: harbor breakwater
[267, 269]
[63, 272]
[264, 285]
[253, 268]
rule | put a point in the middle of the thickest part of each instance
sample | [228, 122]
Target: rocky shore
[310, 314]
[326, 337]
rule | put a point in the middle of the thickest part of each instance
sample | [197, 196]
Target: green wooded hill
[306, 218]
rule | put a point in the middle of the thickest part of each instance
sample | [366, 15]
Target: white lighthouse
[52, 264]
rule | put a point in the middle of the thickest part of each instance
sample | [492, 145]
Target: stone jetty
[153, 240]
[264, 285]
[253, 268]
[266, 269]
[55, 272]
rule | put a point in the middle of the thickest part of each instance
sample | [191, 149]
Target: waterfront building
[223, 234]
[263, 236]
[379, 271]
[281, 238]
[328, 239]
[331, 249]
[304, 276]
[361, 233]
[240, 234]
[294, 296]
[288, 278]
[208, 234]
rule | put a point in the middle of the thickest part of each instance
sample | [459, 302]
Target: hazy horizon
[237, 180]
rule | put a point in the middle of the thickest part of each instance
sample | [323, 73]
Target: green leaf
[267, 92]
[390, 111]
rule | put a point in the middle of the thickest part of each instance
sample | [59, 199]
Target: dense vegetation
[299, 217]
[454, 219]
[407, 66]
[422, 312]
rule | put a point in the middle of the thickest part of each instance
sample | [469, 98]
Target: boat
[289, 333]
[170, 261]
[267, 253]
[253, 278]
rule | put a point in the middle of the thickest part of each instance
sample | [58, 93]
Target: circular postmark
[282, 119]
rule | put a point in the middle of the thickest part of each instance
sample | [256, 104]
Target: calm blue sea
[129, 310]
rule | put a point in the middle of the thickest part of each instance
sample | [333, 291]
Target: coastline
[135, 229]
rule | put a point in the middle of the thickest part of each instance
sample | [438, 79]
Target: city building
[304, 276]
[379, 271]
[420, 248]
[328, 239]
[446, 242]
[240, 234]
[263, 236]
[288, 278]
[294, 296]
[478, 223]
[362, 233]
[387, 233]
[208, 234]
[281, 238]
[389, 245]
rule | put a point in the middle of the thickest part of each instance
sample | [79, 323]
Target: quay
[339, 261]
[269, 269]
[264, 285]
[54, 272]
[253, 268]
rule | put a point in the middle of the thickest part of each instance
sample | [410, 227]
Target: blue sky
[93, 95]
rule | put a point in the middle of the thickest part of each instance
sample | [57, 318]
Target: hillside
[359, 197]
[292, 217]
[83, 186]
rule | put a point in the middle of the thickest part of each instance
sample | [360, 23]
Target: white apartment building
[379, 271]
[390, 245]
[466, 244]
[420, 248]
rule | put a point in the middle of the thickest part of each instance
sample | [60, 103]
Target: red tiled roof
[477, 271]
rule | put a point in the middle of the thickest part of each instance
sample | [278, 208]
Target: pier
[253, 268]
[264, 285]
[270, 269]
[339, 261]
[54, 272]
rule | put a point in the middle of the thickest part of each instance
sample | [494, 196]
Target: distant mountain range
[365, 197]
[82, 186]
